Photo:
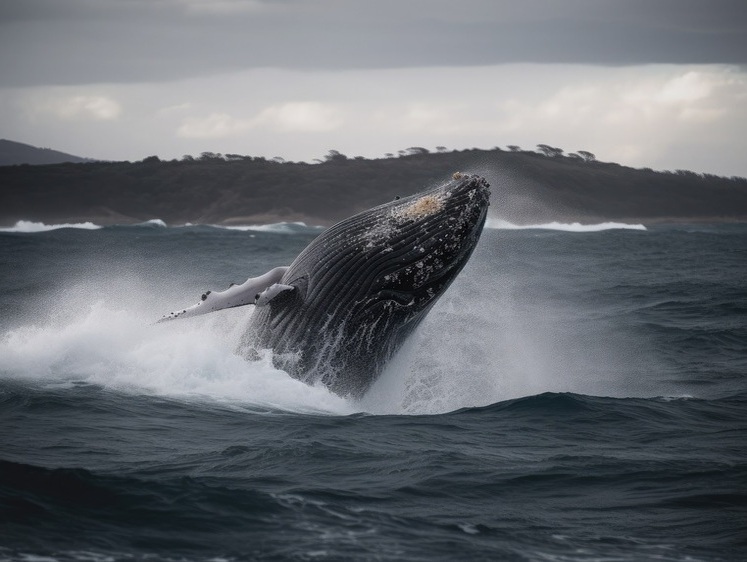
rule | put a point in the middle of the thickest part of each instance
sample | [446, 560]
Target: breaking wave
[274, 228]
[158, 223]
[501, 224]
[117, 346]
[28, 227]
[23, 226]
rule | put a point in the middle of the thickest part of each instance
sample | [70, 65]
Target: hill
[12, 153]
[528, 187]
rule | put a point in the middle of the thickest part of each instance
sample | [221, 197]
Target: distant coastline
[12, 153]
[528, 188]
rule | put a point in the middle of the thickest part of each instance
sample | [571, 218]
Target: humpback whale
[351, 298]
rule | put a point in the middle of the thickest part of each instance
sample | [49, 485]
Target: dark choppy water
[574, 396]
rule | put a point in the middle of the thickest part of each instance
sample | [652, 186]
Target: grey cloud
[86, 41]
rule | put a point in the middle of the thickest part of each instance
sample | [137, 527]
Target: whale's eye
[402, 298]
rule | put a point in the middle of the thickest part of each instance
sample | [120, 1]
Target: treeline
[528, 187]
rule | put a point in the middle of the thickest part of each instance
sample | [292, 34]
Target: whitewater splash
[501, 224]
[483, 342]
[116, 345]
[478, 346]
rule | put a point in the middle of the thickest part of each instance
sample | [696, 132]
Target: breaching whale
[351, 298]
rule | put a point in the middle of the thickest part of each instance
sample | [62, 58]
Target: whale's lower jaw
[364, 285]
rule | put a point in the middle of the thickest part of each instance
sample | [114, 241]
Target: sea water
[579, 393]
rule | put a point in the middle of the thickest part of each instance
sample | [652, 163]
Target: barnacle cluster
[422, 207]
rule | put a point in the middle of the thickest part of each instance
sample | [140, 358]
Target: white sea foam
[485, 342]
[30, 226]
[479, 345]
[116, 344]
[565, 227]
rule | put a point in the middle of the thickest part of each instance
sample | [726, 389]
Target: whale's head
[397, 257]
[416, 246]
[364, 284]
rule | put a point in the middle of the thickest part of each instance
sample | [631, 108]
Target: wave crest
[274, 228]
[31, 226]
[501, 224]
[117, 346]
[156, 223]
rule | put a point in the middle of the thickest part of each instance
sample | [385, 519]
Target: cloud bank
[658, 83]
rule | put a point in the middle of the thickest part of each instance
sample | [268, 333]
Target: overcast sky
[657, 83]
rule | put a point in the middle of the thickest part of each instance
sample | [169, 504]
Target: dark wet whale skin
[364, 285]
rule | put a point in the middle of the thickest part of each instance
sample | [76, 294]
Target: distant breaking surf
[501, 224]
[30, 226]
[26, 227]
[276, 228]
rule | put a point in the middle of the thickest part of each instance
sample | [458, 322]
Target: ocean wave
[115, 345]
[274, 228]
[31, 226]
[26, 227]
[158, 223]
[501, 224]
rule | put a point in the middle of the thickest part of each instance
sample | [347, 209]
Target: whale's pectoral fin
[249, 292]
[271, 292]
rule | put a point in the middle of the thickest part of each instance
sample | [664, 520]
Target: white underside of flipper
[255, 290]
